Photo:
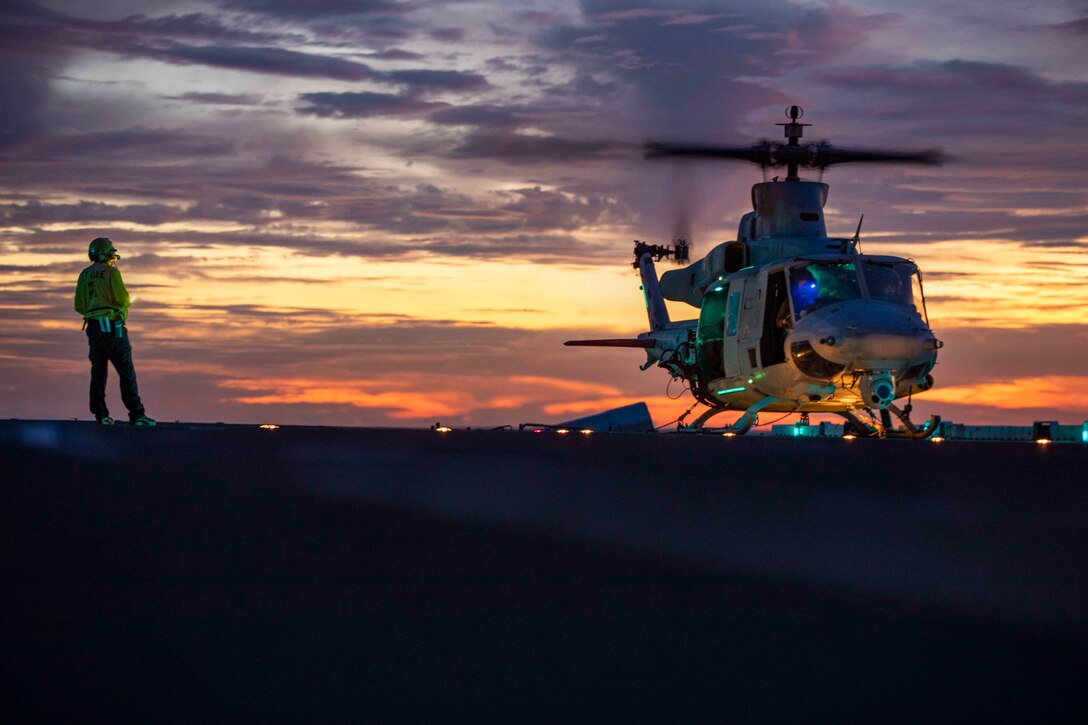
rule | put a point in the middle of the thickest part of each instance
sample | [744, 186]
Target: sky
[393, 212]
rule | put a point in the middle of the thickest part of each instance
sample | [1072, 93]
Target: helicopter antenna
[857, 232]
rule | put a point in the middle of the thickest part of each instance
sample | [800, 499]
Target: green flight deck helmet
[101, 250]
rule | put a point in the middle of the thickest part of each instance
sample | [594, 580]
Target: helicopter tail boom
[656, 311]
[622, 342]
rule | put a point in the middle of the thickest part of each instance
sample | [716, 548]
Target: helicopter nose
[879, 350]
[869, 335]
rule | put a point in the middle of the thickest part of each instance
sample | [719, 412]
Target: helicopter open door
[776, 318]
[710, 332]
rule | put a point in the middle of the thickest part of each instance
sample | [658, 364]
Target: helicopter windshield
[894, 282]
[818, 284]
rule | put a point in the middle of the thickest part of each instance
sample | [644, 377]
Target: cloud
[1074, 27]
[1007, 101]
[523, 149]
[199, 26]
[24, 90]
[34, 213]
[132, 144]
[363, 104]
[313, 9]
[435, 80]
[282, 61]
[32, 27]
[221, 99]
[633, 14]
[987, 355]
[489, 116]
[358, 21]
[399, 404]
[545, 210]
[692, 19]
[1067, 393]
[684, 79]
[449, 35]
[272, 60]
[220, 43]
[394, 54]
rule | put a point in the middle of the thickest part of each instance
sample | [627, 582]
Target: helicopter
[790, 319]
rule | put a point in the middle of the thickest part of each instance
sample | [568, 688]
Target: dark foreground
[230, 573]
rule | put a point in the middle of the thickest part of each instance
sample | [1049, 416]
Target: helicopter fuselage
[820, 333]
[790, 319]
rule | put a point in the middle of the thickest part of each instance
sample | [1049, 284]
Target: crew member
[103, 301]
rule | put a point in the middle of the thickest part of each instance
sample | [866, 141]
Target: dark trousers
[105, 348]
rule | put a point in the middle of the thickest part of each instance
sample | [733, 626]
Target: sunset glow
[392, 213]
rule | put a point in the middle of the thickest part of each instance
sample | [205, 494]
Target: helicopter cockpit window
[894, 282]
[818, 284]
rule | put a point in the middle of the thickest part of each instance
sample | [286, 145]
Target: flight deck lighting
[1042, 431]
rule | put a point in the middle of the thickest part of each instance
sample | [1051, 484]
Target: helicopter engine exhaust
[878, 389]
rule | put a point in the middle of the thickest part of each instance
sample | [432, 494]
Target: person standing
[103, 301]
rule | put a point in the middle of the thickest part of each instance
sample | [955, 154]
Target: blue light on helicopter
[805, 292]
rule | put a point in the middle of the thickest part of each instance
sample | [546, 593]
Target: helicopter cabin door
[742, 326]
[776, 318]
[751, 325]
[711, 330]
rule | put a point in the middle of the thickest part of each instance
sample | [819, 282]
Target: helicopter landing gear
[856, 426]
[886, 429]
[742, 425]
[909, 429]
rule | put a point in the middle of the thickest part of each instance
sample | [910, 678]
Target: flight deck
[240, 572]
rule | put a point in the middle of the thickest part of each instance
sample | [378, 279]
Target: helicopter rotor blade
[765, 153]
[826, 155]
[758, 154]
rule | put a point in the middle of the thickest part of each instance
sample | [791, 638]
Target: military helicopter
[790, 319]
